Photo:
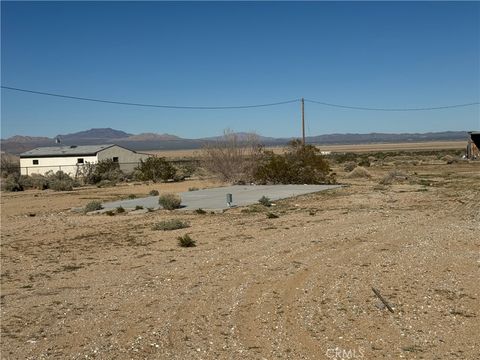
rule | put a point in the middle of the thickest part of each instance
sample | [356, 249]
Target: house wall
[127, 159]
[67, 164]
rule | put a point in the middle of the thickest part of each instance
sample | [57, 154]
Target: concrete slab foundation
[216, 198]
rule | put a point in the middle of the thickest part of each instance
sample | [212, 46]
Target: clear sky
[375, 54]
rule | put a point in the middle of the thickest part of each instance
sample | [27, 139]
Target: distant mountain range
[151, 141]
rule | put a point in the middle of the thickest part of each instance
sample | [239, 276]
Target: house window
[35, 162]
[80, 161]
[115, 159]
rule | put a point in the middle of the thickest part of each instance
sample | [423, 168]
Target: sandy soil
[296, 287]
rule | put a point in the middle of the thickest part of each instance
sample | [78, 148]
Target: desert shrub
[345, 157]
[274, 169]
[24, 181]
[200, 211]
[349, 166]
[60, 181]
[12, 183]
[120, 210]
[9, 165]
[153, 193]
[185, 169]
[138, 207]
[104, 170]
[232, 158]
[155, 169]
[265, 201]
[449, 159]
[172, 224]
[272, 216]
[61, 185]
[110, 213]
[193, 188]
[170, 201]
[358, 172]
[186, 241]
[93, 206]
[87, 173]
[300, 164]
[36, 181]
[364, 163]
[131, 196]
[106, 183]
[394, 176]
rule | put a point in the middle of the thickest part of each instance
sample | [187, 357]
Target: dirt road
[294, 287]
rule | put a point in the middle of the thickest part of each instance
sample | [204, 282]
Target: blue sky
[374, 54]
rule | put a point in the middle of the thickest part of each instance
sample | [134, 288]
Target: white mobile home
[70, 159]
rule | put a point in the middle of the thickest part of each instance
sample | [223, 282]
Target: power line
[392, 109]
[151, 105]
[239, 106]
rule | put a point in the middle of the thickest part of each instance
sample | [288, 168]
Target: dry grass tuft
[394, 176]
[359, 172]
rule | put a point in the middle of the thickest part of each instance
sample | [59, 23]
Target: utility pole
[303, 122]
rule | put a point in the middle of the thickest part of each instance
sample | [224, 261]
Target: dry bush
[364, 163]
[394, 176]
[232, 159]
[12, 183]
[155, 169]
[349, 166]
[186, 241]
[170, 201]
[168, 225]
[243, 161]
[93, 206]
[449, 159]
[99, 173]
[299, 164]
[9, 165]
[34, 181]
[265, 201]
[359, 172]
[60, 181]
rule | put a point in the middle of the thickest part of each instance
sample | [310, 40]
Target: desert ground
[355, 148]
[75, 286]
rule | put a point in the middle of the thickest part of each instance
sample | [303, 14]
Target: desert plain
[299, 286]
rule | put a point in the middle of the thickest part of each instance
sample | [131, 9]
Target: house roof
[62, 151]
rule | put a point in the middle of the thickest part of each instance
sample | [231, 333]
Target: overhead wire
[151, 105]
[391, 109]
[238, 106]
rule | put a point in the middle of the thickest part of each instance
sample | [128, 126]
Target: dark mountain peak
[99, 133]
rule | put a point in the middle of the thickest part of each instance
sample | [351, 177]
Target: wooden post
[303, 121]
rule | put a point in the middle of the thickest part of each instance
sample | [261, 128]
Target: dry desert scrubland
[298, 286]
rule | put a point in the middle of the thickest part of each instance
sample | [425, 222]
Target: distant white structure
[70, 159]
